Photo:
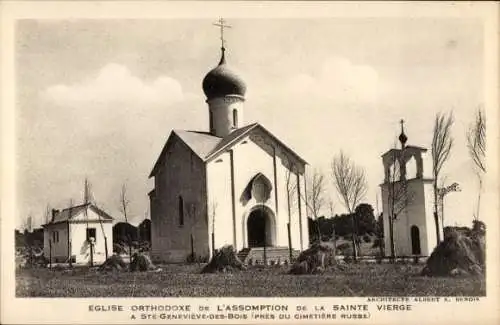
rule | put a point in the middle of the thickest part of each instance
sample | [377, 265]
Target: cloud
[115, 83]
[110, 128]
[337, 79]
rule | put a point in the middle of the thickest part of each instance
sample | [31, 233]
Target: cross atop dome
[222, 24]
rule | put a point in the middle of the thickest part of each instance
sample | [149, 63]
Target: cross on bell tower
[402, 137]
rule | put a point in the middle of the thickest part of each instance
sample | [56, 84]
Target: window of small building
[55, 236]
[91, 233]
[181, 211]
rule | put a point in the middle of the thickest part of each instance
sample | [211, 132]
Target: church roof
[207, 146]
[202, 143]
[231, 137]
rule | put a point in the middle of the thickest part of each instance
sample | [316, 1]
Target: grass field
[185, 280]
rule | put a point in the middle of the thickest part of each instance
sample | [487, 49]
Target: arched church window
[235, 118]
[394, 172]
[181, 211]
[411, 168]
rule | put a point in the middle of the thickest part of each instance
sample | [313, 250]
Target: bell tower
[407, 198]
[225, 92]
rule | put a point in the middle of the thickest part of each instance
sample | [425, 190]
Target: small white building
[229, 186]
[70, 231]
[407, 195]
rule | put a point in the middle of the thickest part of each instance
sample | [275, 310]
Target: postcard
[249, 162]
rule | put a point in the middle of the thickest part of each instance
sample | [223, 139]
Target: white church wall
[219, 194]
[303, 208]
[298, 221]
[182, 175]
[412, 215]
[418, 212]
[249, 160]
[283, 200]
[252, 156]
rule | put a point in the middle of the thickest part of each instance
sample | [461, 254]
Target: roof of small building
[68, 213]
[207, 146]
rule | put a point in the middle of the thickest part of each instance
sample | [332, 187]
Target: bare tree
[291, 188]
[124, 203]
[316, 196]
[442, 142]
[191, 211]
[87, 200]
[351, 185]
[331, 207]
[28, 226]
[28, 223]
[476, 143]
[48, 214]
[70, 245]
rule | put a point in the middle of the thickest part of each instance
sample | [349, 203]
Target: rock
[141, 262]
[224, 260]
[317, 257]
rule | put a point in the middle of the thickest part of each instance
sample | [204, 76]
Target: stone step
[242, 255]
[274, 255]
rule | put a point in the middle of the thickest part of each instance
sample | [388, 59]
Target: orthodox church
[237, 184]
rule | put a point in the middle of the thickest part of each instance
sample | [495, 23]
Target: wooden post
[213, 243]
[265, 236]
[192, 248]
[70, 255]
[91, 253]
[265, 253]
[106, 246]
[50, 254]
[289, 242]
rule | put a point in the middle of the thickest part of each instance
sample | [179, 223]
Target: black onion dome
[221, 81]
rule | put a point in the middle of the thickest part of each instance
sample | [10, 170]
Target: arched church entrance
[260, 228]
[415, 240]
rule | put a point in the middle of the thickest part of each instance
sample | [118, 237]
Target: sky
[98, 98]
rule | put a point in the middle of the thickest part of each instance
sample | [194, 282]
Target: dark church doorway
[415, 240]
[259, 228]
